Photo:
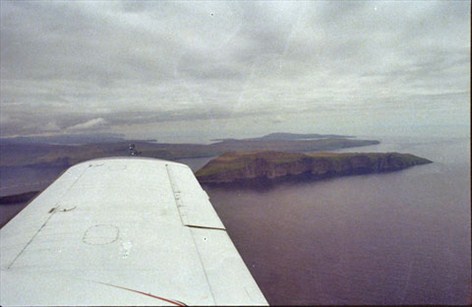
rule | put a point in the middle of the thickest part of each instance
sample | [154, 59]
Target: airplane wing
[123, 231]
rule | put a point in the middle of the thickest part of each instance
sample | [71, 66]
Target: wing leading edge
[123, 231]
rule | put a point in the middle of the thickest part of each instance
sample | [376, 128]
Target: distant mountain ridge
[67, 139]
[94, 138]
[32, 153]
[285, 136]
[299, 136]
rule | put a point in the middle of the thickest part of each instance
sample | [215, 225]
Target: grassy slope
[240, 160]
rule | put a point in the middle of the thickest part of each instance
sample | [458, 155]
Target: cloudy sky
[196, 70]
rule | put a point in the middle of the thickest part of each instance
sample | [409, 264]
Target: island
[25, 161]
[234, 167]
[18, 198]
[20, 152]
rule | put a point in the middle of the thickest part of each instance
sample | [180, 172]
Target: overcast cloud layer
[196, 70]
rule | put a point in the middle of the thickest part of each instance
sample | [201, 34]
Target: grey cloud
[67, 63]
[63, 41]
[92, 124]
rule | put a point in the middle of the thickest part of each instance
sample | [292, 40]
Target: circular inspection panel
[101, 234]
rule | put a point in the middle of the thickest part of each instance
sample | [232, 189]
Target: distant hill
[269, 165]
[298, 136]
[21, 154]
[283, 136]
[69, 139]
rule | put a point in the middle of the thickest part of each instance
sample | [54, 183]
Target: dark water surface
[21, 179]
[17, 180]
[396, 238]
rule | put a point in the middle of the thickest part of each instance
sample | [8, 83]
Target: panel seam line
[45, 222]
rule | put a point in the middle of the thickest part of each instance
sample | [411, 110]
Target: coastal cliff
[270, 165]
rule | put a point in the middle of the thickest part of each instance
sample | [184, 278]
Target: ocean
[393, 238]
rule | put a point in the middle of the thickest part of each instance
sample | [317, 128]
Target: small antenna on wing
[132, 150]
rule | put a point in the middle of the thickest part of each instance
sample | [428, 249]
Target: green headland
[271, 165]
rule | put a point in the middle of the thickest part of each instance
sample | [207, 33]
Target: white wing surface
[123, 231]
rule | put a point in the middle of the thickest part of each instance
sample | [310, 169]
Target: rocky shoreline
[269, 165]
